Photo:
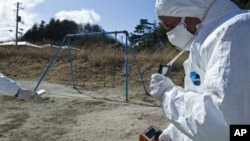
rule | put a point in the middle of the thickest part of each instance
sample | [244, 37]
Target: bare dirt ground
[67, 114]
[96, 111]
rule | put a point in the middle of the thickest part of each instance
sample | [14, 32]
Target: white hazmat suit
[217, 82]
[9, 87]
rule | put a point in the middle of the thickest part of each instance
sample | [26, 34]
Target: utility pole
[18, 19]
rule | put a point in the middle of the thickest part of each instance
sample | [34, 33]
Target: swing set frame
[66, 41]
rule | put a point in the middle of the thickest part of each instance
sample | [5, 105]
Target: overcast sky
[111, 15]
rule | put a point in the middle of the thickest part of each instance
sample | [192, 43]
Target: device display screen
[150, 133]
[165, 69]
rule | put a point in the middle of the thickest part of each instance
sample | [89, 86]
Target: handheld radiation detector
[165, 69]
[151, 133]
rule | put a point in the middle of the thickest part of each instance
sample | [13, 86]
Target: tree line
[146, 35]
[55, 30]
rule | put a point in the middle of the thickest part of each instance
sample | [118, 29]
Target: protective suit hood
[218, 10]
[183, 8]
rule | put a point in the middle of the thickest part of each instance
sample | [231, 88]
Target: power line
[7, 25]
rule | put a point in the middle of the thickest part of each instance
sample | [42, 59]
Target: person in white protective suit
[216, 91]
[9, 87]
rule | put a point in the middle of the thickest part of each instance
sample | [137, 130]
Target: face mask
[180, 36]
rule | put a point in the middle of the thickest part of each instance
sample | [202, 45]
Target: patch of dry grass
[94, 66]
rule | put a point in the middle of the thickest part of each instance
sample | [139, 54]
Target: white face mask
[180, 37]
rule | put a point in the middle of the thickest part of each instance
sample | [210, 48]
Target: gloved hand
[159, 84]
[164, 136]
[27, 94]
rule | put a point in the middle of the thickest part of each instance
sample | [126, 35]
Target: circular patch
[195, 77]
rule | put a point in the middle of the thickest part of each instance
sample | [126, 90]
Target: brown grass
[94, 66]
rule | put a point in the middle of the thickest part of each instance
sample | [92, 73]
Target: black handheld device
[165, 69]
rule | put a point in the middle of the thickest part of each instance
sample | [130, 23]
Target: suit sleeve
[7, 86]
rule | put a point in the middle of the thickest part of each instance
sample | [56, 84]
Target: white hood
[183, 8]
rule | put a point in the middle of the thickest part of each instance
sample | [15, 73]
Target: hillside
[95, 67]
